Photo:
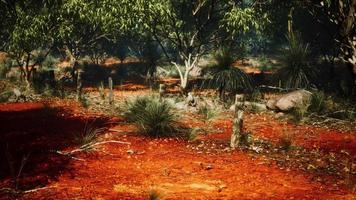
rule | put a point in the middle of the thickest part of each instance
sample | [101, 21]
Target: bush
[296, 71]
[5, 67]
[5, 96]
[88, 136]
[317, 102]
[207, 112]
[153, 117]
[225, 77]
[285, 143]
[300, 111]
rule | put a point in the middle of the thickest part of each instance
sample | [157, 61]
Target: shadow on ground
[34, 130]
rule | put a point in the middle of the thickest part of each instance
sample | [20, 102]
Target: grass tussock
[155, 118]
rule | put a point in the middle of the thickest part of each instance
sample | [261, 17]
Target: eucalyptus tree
[194, 27]
[30, 26]
[80, 28]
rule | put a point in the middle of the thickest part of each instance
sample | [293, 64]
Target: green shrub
[296, 71]
[155, 118]
[5, 96]
[245, 139]
[300, 111]
[207, 112]
[88, 136]
[317, 102]
[154, 195]
[50, 62]
[285, 142]
[5, 67]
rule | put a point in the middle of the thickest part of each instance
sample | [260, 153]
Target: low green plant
[285, 142]
[193, 134]
[255, 96]
[207, 112]
[296, 71]
[255, 108]
[155, 118]
[5, 67]
[317, 102]
[5, 96]
[88, 136]
[84, 102]
[154, 195]
[300, 111]
[245, 139]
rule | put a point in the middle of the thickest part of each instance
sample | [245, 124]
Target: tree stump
[111, 94]
[237, 128]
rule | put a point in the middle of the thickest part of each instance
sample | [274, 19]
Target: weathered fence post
[237, 128]
[79, 84]
[111, 94]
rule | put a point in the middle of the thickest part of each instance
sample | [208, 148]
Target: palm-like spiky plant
[225, 77]
[296, 71]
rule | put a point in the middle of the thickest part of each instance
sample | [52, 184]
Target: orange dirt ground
[168, 166]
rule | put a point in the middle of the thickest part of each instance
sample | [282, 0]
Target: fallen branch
[86, 147]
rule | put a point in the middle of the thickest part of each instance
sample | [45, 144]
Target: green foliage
[154, 195]
[241, 20]
[5, 96]
[256, 96]
[300, 111]
[5, 67]
[154, 117]
[285, 142]
[225, 77]
[49, 62]
[296, 71]
[245, 139]
[88, 136]
[207, 112]
[317, 102]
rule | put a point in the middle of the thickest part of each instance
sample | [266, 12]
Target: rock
[271, 104]
[191, 101]
[290, 100]
[180, 105]
[279, 115]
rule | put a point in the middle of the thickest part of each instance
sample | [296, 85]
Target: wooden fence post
[111, 94]
[237, 128]
[79, 84]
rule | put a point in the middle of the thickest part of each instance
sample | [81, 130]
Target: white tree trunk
[189, 64]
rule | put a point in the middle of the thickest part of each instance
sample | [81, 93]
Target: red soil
[119, 171]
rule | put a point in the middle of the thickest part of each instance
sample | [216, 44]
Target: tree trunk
[237, 128]
[347, 32]
[189, 64]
